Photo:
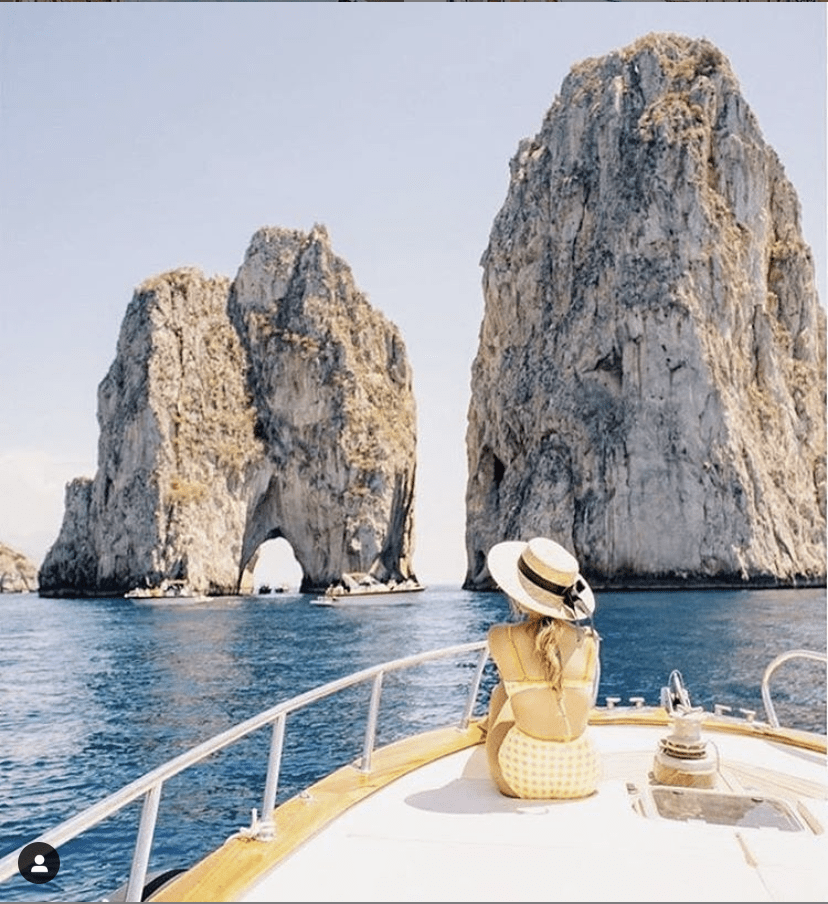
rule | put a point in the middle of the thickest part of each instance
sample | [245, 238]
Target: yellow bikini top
[588, 678]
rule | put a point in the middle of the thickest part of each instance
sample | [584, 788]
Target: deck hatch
[743, 810]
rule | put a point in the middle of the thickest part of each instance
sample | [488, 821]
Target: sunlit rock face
[175, 452]
[649, 387]
[18, 574]
[294, 418]
[332, 389]
[70, 566]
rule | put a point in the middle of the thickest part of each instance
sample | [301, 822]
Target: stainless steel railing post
[475, 687]
[371, 727]
[773, 721]
[143, 844]
[274, 763]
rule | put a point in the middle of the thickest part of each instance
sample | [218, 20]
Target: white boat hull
[421, 820]
[428, 824]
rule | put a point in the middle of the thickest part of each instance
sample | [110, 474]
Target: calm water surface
[94, 693]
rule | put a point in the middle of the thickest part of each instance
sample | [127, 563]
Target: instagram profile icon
[38, 863]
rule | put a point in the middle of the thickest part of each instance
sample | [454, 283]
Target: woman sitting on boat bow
[537, 741]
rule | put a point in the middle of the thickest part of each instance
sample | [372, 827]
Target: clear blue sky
[135, 138]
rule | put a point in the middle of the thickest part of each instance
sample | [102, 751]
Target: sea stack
[649, 387]
[332, 388]
[175, 452]
[276, 405]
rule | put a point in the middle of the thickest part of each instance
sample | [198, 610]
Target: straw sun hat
[543, 577]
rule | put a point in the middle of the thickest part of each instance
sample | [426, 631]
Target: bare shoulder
[510, 649]
[502, 643]
[573, 637]
[498, 635]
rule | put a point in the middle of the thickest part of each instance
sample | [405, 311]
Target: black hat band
[527, 571]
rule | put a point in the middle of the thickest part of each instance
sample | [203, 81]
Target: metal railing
[773, 721]
[149, 786]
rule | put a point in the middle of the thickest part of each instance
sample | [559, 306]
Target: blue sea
[96, 692]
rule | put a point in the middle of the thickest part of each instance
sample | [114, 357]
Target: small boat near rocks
[365, 585]
[167, 591]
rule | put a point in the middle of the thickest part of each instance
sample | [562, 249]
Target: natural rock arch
[274, 566]
[280, 404]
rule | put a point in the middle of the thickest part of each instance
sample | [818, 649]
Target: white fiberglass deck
[444, 833]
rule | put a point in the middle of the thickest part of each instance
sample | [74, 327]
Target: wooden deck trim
[790, 737]
[227, 872]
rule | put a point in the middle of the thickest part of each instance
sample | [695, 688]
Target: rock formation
[332, 389]
[18, 574]
[649, 387]
[295, 418]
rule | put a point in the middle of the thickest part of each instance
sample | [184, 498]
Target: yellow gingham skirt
[536, 769]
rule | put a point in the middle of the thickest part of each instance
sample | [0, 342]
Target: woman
[537, 741]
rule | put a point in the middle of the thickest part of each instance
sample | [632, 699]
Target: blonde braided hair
[547, 644]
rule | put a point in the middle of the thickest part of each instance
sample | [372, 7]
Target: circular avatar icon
[38, 862]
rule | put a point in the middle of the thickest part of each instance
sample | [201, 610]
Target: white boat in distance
[362, 585]
[166, 592]
[692, 806]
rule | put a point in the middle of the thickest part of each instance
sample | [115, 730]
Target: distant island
[18, 574]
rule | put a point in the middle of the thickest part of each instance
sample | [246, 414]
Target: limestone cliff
[649, 387]
[176, 448]
[211, 443]
[70, 565]
[333, 393]
[18, 574]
